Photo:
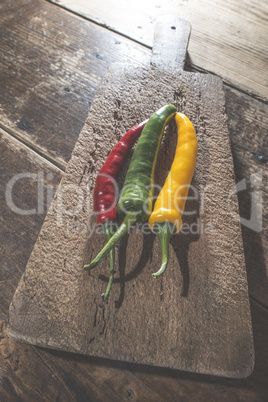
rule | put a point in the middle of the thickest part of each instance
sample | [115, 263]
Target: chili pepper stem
[164, 231]
[121, 231]
[109, 230]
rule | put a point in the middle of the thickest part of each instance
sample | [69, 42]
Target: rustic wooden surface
[205, 326]
[29, 373]
[48, 79]
[228, 38]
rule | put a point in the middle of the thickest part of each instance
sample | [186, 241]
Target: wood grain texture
[25, 178]
[18, 233]
[248, 121]
[228, 38]
[27, 369]
[29, 373]
[50, 67]
[170, 45]
[208, 328]
[55, 129]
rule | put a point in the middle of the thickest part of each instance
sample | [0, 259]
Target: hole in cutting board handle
[173, 27]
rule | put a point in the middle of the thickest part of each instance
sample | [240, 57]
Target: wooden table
[53, 58]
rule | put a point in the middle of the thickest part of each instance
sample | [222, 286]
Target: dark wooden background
[53, 56]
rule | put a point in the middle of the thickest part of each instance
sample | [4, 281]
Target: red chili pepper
[104, 191]
[104, 196]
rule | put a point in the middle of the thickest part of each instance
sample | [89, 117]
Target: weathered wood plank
[27, 373]
[229, 38]
[248, 122]
[64, 377]
[23, 376]
[67, 368]
[203, 388]
[209, 328]
[128, 381]
[166, 382]
[25, 370]
[18, 183]
[241, 109]
[51, 64]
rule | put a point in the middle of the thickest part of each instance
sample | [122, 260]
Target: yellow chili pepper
[166, 218]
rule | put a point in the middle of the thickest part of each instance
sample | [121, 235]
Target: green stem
[164, 231]
[109, 231]
[128, 221]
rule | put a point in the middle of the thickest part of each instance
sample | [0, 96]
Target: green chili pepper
[135, 202]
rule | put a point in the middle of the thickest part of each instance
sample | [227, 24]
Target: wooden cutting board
[196, 317]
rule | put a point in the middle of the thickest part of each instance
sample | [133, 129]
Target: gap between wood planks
[33, 148]
[101, 24]
[194, 67]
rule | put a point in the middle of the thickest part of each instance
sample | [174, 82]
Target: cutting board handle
[171, 37]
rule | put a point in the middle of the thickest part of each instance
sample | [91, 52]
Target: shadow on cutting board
[180, 243]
